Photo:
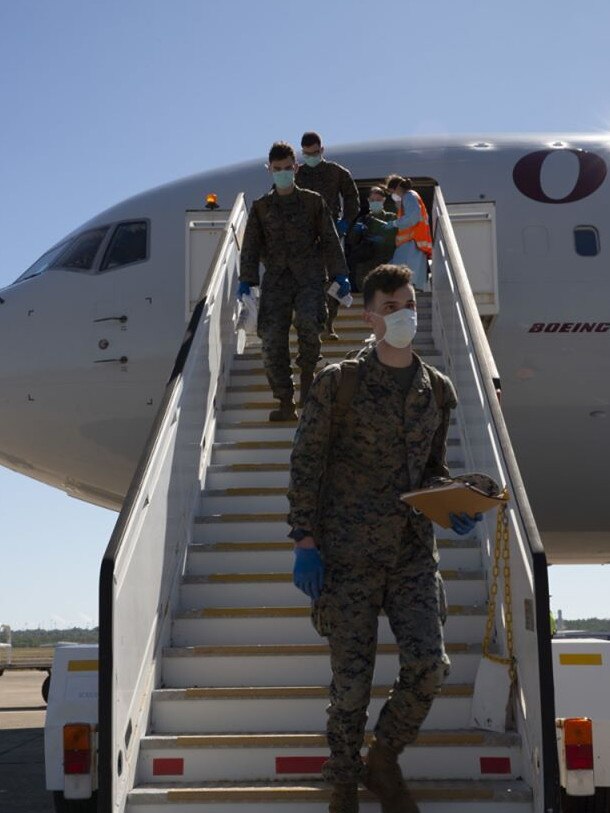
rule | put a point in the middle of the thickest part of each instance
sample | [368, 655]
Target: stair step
[256, 375]
[258, 527]
[237, 424]
[276, 589]
[291, 624]
[227, 476]
[246, 757]
[289, 664]
[237, 709]
[330, 352]
[450, 796]
[269, 554]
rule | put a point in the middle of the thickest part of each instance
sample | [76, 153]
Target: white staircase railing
[144, 560]
[459, 334]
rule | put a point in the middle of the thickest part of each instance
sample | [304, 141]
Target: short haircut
[311, 139]
[394, 181]
[386, 278]
[377, 190]
[280, 150]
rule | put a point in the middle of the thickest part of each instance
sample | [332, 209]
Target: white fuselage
[87, 354]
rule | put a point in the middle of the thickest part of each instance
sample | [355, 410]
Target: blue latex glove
[308, 572]
[344, 286]
[358, 228]
[463, 523]
[342, 226]
[244, 288]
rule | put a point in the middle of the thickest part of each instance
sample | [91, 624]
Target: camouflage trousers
[281, 297]
[412, 596]
[333, 308]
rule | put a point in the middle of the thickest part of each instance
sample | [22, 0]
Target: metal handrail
[489, 380]
[135, 499]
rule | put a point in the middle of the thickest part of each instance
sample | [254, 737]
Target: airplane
[92, 328]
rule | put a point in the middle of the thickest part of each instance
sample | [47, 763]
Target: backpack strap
[349, 378]
[438, 387]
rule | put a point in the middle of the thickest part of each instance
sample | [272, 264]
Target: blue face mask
[376, 206]
[283, 178]
[312, 160]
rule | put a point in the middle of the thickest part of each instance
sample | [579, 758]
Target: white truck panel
[581, 672]
[72, 699]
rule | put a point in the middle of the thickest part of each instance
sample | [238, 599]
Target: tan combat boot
[384, 779]
[286, 412]
[306, 379]
[344, 798]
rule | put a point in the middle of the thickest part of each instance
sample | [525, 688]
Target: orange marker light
[578, 737]
[211, 201]
[77, 748]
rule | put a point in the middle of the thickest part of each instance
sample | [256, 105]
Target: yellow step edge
[258, 424]
[282, 545]
[245, 491]
[248, 546]
[255, 444]
[210, 518]
[287, 692]
[425, 738]
[231, 650]
[273, 576]
[294, 612]
[252, 467]
[422, 791]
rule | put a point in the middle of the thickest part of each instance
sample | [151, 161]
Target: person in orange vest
[413, 236]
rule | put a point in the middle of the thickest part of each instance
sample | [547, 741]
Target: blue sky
[100, 100]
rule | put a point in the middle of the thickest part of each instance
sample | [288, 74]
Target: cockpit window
[80, 255]
[128, 245]
[47, 259]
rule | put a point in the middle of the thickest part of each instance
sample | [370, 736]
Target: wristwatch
[299, 533]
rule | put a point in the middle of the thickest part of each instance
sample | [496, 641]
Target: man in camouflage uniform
[291, 232]
[338, 189]
[360, 550]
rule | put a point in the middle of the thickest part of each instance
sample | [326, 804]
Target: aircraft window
[47, 259]
[586, 241]
[128, 245]
[81, 254]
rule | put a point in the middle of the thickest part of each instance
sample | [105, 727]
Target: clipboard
[468, 493]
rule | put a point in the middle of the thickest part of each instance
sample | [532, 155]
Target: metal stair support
[231, 716]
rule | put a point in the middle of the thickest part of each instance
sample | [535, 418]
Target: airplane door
[203, 231]
[474, 225]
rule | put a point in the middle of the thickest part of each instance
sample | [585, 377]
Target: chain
[501, 551]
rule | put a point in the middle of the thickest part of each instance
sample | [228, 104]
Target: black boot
[286, 412]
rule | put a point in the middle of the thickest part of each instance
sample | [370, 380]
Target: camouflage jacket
[296, 235]
[336, 186]
[345, 480]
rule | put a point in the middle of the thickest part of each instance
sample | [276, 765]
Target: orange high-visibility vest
[420, 232]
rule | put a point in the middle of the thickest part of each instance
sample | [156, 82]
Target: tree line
[40, 637]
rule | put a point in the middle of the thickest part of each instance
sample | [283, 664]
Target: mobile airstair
[213, 683]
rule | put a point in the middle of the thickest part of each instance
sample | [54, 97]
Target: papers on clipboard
[468, 493]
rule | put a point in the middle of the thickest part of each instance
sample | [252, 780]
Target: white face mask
[400, 327]
[396, 198]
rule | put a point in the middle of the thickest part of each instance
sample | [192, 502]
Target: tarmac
[22, 713]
